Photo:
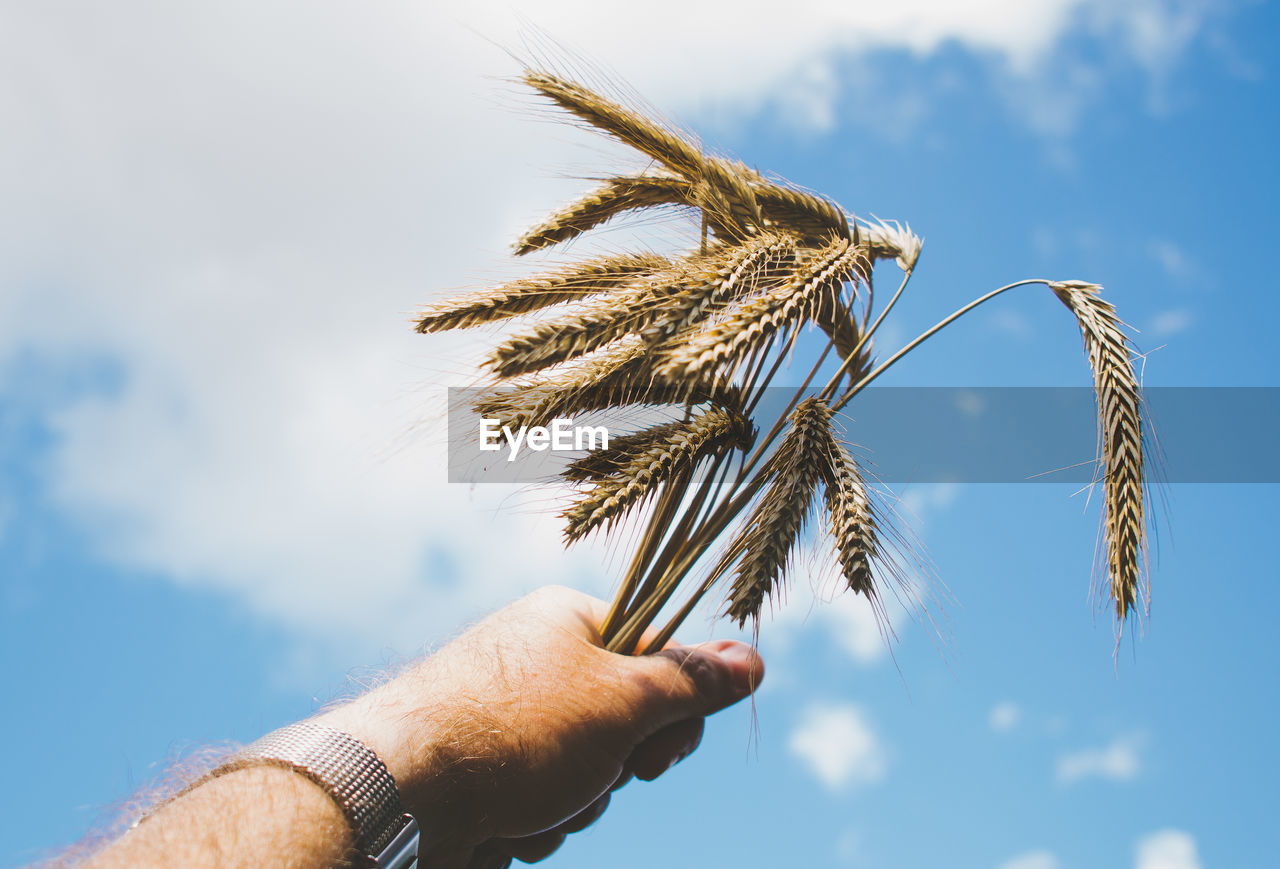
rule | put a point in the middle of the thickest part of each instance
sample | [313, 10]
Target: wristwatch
[386, 836]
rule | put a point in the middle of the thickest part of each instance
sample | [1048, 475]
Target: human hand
[513, 736]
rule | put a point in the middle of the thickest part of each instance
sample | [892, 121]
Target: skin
[502, 744]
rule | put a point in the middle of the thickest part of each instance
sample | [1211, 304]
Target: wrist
[405, 723]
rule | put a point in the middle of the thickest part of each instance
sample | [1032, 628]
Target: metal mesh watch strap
[356, 779]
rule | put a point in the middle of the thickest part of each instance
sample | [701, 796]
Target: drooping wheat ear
[852, 520]
[614, 197]
[678, 447]
[572, 283]
[889, 239]
[1119, 398]
[714, 351]
[653, 308]
[776, 522]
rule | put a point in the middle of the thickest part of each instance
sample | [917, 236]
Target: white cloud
[922, 500]
[838, 746]
[1031, 860]
[1117, 761]
[1004, 716]
[1171, 322]
[236, 203]
[1155, 32]
[847, 619]
[1167, 849]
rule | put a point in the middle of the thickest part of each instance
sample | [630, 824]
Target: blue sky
[222, 471]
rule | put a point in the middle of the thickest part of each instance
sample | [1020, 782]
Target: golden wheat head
[1120, 444]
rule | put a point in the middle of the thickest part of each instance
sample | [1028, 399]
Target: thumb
[682, 682]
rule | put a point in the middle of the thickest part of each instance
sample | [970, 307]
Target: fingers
[666, 748]
[683, 682]
[488, 856]
[540, 846]
[532, 849]
[746, 667]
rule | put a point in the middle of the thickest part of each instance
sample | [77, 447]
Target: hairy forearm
[263, 815]
[253, 817]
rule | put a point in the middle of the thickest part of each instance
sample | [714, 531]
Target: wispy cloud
[1171, 322]
[1172, 259]
[1031, 860]
[1004, 716]
[1119, 760]
[1167, 849]
[924, 500]
[838, 746]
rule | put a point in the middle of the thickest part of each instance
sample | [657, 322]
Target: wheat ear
[775, 524]
[614, 197]
[889, 239]
[815, 218]
[675, 448]
[712, 352]
[725, 190]
[1119, 398]
[630, 127]
[654, 308]
[600, 322]
[572, 283]
[852, 521]
[749, 263]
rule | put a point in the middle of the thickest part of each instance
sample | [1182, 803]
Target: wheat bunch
[702, 334]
